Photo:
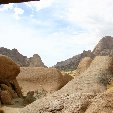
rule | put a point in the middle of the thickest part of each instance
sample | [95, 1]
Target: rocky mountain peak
[36, 61]
[104, 47]
[21, 60]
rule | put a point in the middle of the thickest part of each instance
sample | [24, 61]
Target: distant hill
[21, 60]
[103, 48]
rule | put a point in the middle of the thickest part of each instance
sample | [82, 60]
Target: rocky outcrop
[9, 87]
[102, 103]
[50, 79]
[103, 48]
[5, 97]
[36, 61]
[15, 1]
[15, 56]
[83, 66]
[8, 69]
[72, 63]
[76, 96]
[21, 60]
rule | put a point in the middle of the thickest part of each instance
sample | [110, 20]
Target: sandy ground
[10, 109]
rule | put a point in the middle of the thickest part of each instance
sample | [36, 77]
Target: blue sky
[55, 29]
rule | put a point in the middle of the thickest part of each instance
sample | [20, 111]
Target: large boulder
[8, 69]
[8, 73]
[76, 95]
[50, 79]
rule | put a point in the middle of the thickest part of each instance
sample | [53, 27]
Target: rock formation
[9, 87]
[21, 60]
[103, 48]
[76, 96]
[36, 61]
[83, 66]
[50, 79]
[15, 1]
[8, 69]
[102, 103]
[15, 56]
[72, 63]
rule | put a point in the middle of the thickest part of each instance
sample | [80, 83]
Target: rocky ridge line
[21, 60]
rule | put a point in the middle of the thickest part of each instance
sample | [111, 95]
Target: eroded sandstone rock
[76, 95]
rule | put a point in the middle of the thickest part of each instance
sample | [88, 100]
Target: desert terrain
[37, 88]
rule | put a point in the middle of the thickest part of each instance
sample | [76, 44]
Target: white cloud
[93, 16]
[40, 4]
[17, 12]
[6, 7]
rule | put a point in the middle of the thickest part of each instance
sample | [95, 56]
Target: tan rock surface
[33, 78]
[76, 95]
[83, 65]
[102, 103]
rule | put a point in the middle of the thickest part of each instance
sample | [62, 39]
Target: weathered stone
[36, 61]
[6, 97]
[76, 95]
[21, 60]
[83, 66]
[9, 89]
[72, 63]
[16, 88]
[50, 79]
[102, 103]
[8, 69]
[67, 78]
[29, 98]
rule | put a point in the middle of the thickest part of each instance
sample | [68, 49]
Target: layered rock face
[77, 95]
[21, 60]
[9, 87]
